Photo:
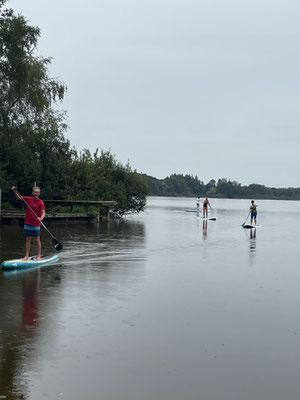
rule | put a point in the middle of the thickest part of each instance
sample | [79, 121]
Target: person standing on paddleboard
[32, 223]
[253, 211]
[206, 204]
[198, 203]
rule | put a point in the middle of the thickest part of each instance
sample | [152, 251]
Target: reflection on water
[20, 317]
[99, 257]
[204, 229]
[252, 240]
[31, 307]
[161, 306]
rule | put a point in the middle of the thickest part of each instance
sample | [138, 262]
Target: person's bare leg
[39, 247]
[27, 247]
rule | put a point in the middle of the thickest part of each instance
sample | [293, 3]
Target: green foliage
[187, 185]
[175, 185]
[32, 143]
[26, 91]
[102, 177]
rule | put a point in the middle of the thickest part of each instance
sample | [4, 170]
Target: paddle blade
[249, 227]
[57, 244]
[212, 219]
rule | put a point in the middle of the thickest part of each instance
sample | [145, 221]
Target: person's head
[36, 191]
[252, 201]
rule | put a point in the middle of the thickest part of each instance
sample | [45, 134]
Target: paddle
[249, 227]
[57, 244]
[243, 224]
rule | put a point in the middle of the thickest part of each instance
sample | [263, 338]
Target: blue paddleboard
[18, 263]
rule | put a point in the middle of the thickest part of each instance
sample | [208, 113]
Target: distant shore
[178, 185]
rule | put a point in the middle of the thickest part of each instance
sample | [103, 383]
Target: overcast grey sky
[209, 88]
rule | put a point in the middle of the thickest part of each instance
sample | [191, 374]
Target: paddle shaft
[246, 218]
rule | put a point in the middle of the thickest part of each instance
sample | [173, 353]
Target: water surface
[158, 306]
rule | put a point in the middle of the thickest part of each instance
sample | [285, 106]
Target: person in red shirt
[32, 223]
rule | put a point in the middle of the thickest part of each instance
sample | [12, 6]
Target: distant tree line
[33, 147]
[189, 185]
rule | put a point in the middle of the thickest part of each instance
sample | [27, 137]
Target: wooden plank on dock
[103, 207]
[9, 215]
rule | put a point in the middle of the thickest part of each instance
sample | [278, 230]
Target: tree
[210, 187]
[32, 144]
[102, 177]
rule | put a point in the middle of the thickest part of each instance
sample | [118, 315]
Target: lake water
[161, 306]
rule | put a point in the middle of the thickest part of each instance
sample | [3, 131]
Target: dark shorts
[253, 214]
[30, 230]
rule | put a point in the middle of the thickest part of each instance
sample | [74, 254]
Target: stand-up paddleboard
[195, 211]
[251, 226]
[31, 262]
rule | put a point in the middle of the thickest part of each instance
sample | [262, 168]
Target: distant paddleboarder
[253, 211]
[198, 203]
[32, 222]
[206, 204]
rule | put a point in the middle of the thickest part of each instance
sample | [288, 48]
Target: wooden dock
[103, 211]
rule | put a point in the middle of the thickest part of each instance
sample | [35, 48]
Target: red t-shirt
[38, 206]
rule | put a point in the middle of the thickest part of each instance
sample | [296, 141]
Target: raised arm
[17, 194]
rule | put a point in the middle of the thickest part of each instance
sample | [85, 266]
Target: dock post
[98, 216]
